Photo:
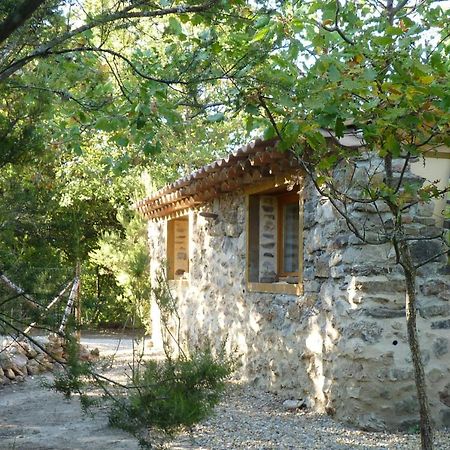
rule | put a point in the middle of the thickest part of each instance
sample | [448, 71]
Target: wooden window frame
[280, 287]
[170, 249]
[288, 198]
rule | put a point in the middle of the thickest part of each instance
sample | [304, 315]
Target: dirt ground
[33, 417]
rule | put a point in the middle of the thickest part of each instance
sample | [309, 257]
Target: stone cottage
[257, 258]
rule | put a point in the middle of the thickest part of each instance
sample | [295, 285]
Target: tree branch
[123, 58]
[336, 27]
[44, 49]
[270, 116]
[18, 17]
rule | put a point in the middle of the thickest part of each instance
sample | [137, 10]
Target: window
[274, 241]
[178, 248]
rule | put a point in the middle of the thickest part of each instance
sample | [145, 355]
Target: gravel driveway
[35, 418]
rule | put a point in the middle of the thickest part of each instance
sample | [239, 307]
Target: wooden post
[51, 304]
[73, 303]
[78, 303]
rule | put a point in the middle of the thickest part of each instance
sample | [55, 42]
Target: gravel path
[34, 418]
[250, 419]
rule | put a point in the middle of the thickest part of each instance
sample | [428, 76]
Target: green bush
[173, 393]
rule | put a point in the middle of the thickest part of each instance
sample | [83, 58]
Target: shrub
[173, 393]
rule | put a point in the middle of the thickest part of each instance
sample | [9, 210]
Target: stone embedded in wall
[311, 286]
[406, 407]
[445, 418]
[337, 271]
[309, 214]
[364, 253]
[369, 269]
[393, 301]
[321, 266]
[437, 287]
[379, 284]
[384, 313]
[441, 325]
[369, 332]
[432, 310]
[440, 347]
[444, 395]
[324, 211]
[338, 242]
[423, 250]
[232, 230]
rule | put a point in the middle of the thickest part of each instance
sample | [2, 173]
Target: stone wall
[341, 346]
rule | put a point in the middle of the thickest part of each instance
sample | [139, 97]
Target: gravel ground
[34, 418]
[251, 419]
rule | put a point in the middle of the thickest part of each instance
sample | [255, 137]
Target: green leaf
[333, 73]
[175, 26]
[216, 117]
[261, 34]
[393, 31]
[106, 124]
[269, 132]
[285, 100]
[252, 109]
[369, 74]
[77, 150]
[315, 140]
[262, 21]
[339, 127]
[392, 145]
[383, 40]
[152, 149]
[121, 141]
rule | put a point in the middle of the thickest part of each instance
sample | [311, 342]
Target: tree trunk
[426, 429]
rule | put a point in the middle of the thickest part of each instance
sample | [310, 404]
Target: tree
[290, 69]
[380, 68]
[81, 120]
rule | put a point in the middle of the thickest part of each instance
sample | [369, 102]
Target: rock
[231, 230]
[379, 284]
[19, 360]
[338, 243]
[2, 374]
[293, 405]
[33, 367]
[5, 361]
[31, 352]
[17, 371]
[10, 374]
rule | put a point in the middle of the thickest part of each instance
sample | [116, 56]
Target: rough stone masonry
[341, 346]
